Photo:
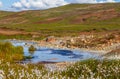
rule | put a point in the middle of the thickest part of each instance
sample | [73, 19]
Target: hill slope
[68, 18]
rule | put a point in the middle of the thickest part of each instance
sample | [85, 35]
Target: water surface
[43, 54]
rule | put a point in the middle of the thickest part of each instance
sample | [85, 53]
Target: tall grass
[9, 52]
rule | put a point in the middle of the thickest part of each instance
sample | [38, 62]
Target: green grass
[8, 52]
[29, 20]
[67, 12]
[4, 13]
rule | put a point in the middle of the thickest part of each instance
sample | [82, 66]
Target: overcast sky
[18, 5]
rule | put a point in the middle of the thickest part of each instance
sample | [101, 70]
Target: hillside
[71, 18]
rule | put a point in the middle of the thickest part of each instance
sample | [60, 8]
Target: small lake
[43, 54]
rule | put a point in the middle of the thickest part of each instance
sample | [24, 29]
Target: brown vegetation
[98, 15]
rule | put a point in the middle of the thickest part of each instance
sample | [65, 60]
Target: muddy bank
[101, 43]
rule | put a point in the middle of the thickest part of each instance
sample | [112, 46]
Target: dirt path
[14, 32]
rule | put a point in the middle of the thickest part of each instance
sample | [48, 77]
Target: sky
[19, 5]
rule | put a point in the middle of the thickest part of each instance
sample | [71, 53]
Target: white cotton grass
[89, 69]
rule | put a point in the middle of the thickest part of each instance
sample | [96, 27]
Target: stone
[50, 39]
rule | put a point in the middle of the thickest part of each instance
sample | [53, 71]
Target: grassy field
[69, 19]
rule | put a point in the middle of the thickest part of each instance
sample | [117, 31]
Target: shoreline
[76, 48]
[52, 46]
[101, 52]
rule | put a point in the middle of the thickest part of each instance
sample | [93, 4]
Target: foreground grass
[88, 69]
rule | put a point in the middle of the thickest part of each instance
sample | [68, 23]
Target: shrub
[32, 48]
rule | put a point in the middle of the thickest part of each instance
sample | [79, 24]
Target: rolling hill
[71, 18]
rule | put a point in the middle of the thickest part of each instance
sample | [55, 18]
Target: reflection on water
[31, 52]
[66, 53]
[53, 55]
[63, 52]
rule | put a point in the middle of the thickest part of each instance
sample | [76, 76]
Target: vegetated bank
[11, 53]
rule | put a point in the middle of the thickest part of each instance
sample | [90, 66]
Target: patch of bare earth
[15, 32]
[50, 20]
[102, 41]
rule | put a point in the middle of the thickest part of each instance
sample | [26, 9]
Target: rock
[62, 43]
[50, 39]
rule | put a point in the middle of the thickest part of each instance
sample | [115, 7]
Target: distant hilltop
[78, 17]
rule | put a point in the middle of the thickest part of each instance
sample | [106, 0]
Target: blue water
[43, 54]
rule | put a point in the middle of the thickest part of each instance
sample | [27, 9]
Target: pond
[44, 54]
